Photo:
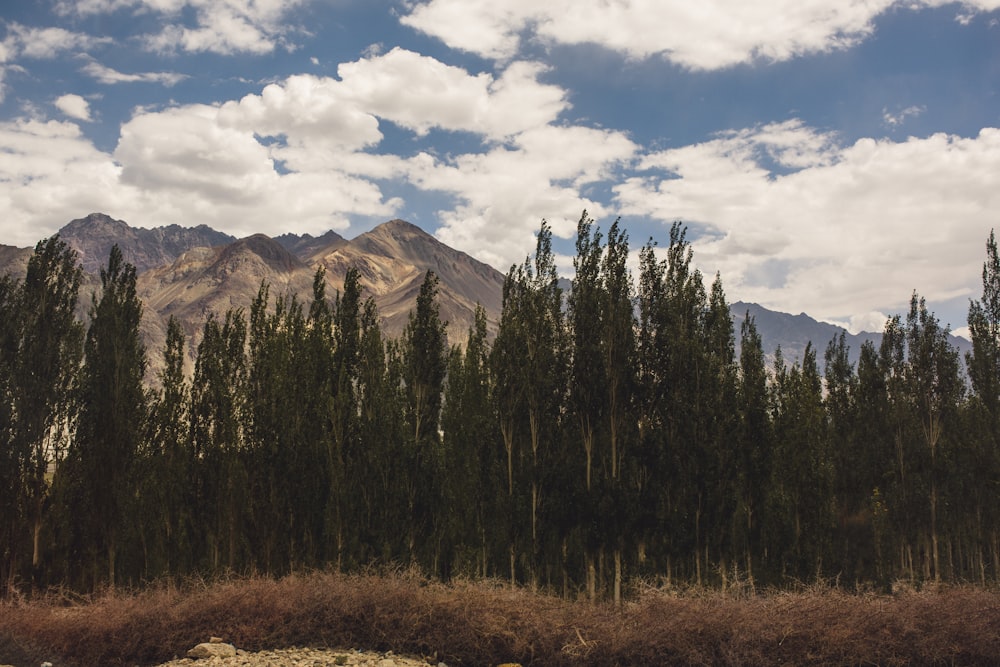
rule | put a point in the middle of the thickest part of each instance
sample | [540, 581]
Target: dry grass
[484, 624]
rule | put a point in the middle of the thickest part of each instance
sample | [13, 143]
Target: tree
[618, 355]
[112, 410]
[754, 445]
[982, 461]
[589, 382]
[935, 389]
[167, 492]
[425, 362]
[11, 475]
[473, 484]
[45, 348]
[508, 396]
[218, 418]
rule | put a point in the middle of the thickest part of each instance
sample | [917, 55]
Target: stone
[209, 650]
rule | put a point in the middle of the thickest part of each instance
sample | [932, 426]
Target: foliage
[602, 438]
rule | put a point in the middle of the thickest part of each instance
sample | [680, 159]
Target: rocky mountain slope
[94, 235]
[192, 272]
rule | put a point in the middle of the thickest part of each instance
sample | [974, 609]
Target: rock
[215, 640]
[209, 650]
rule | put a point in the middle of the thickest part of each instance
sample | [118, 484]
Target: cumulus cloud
[420, 93]
[868, 222]
[225, 27]
[109, 76]
[31, 42]
[710, 34]
[504, 193]
[73, 106]
[50, 173]
[306, 149]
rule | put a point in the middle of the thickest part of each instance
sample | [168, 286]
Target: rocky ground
[303, 657]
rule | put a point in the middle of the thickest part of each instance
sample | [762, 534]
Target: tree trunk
[618, 577]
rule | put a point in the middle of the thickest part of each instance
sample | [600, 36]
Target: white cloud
[308, 111]
[710, 34]
[216, 172]
[305, 149]
[894, 120]
[504, 193]
[413, 91]
[421, 93]
[109, 76]
[49, 173]
[865, 223]
[219, 26]
[32, 42]
[74, 106]
[233, 26]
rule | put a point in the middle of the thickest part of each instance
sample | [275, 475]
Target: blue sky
[827, 157]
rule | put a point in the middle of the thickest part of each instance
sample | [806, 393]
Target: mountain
[93, 236]
[392, 260]
[792, 332]
[305, 246]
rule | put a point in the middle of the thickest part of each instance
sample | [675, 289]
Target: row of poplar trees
[603, 437]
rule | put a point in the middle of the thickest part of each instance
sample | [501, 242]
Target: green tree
[380, 469]
[754, 445]
[588, 385]
[11, 475]
[218, 418]
[47, 347]
[473, 483]
[936, 388]
[167, 492]
[112, 411]
[508, 396]
[425, 362]
[982, 460]
[343, 455]
[801, 495]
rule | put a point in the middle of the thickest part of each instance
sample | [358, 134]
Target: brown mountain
[393, 259]
[191, 272]
[93, 236]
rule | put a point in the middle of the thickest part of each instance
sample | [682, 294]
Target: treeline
[603, 436]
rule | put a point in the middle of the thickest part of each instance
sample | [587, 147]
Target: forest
[604, 437]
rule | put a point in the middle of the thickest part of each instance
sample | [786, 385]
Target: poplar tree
[618, 355]
[588, 387]
[935, 387]
[46, 347]
[112, 410]
[983, 458]
[469, 444]
[167, 491]
[218, 418]
[508, 396]
[11, 476]
[425, 360]
[754, 445]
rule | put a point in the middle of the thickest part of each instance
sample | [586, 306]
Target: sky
[826, 157]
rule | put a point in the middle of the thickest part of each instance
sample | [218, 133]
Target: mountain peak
[93, 236]
[272, 253]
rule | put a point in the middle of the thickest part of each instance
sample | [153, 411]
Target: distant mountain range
[793, 332]
[191, 272]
